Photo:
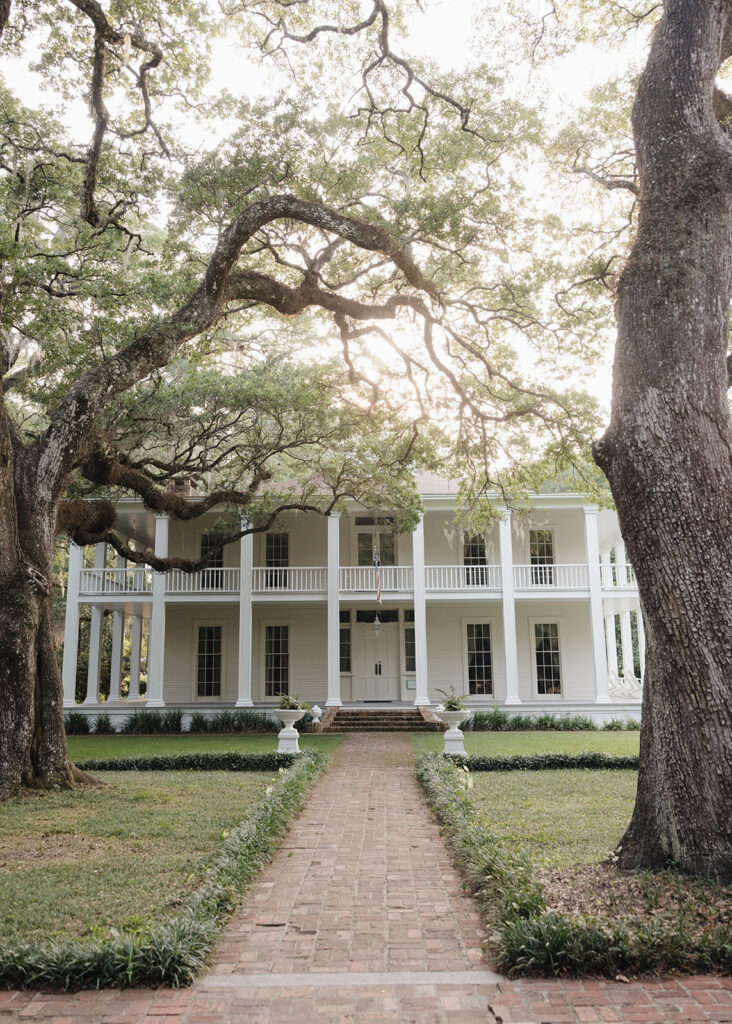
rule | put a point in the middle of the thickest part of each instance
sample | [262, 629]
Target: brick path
[371, 926]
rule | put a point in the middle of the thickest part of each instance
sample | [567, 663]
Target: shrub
[614, 725]
[498, 720]
[172, 721]
[76, 723]
[495, 720]
[633, 724]
[143, 721]
[199, 722]
[543, 762]
[103, 726]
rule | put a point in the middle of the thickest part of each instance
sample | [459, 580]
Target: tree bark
[668, 451]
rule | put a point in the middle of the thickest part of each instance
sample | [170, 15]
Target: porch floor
[361, 917]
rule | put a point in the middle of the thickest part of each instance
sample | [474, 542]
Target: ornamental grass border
[524, 938]
[172, 953]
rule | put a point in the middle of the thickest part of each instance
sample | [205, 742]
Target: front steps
[381, 720]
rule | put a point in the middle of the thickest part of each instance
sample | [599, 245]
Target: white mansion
[523, 617]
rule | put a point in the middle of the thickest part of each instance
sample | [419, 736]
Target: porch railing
[312, 579]
[461, 578]
[618, 574]
[205, 581]
[550, 577]
[361, 579]
[135, 580]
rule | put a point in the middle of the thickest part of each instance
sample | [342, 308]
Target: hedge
[173, 952]
[523, 936]
[226, 761]
[544, 762]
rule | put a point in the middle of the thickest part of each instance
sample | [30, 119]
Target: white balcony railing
[461, 578]
[205, 581]
[550, 577]
[299, 580]
[136, 580]
[619, 574]
[361, 579]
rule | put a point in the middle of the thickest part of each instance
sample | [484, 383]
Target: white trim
[197, 624]
[546, 620]
[464, 623]
[263, 654]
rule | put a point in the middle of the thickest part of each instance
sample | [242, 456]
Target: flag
[377, 570]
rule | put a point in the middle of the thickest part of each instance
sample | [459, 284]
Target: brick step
[381, 720]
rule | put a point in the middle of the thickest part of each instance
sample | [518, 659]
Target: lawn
[80, 863]
[83, 748]
[559, 818]
[489, 743]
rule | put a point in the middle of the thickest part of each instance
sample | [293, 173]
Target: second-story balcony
[354, 580]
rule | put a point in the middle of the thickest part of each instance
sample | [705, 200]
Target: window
[474, 560]
[541, 553]
[410, 653]
[480, 662]
[546, 647]
[345, 641]
[208, 662]
[277, 558]
[276, 660]
[212, 576]
[379, 537]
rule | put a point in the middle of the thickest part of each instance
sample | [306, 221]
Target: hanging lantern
[377, 625]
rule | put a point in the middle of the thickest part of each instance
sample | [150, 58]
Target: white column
[118, 632]
[612, 646]
[333, 617]
[95, 636]
[607, 568]
[626, 644]
[599, 657]
[422, 690]
[641, 641]
[135, 650]
[246, 560]
[156, 641]
[71, 626]
[509, 609]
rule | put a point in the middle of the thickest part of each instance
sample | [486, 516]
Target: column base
[334, 702]
[90, 701]
[155, 704]
[603, 700]
[244, 703]
[422, 702]
[513, 700]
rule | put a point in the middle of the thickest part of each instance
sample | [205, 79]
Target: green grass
[558, 818]
[530, 742]
[79, 863]
[87, 748]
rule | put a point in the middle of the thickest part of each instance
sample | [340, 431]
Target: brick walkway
[371, 926]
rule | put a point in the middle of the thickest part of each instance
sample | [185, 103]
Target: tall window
[345, 641]
[377, 537]
[276, 660]
[546, 646]
[208, 667]
[474, 559]
[410, 651]
[480, 663]
[541, 552]
[277, 558]
[212, 576]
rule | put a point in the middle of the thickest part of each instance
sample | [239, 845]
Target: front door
[376, 662]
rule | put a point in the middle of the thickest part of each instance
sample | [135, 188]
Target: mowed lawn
[558, 818]
[87, 748]
[79, 863]
[489, 743]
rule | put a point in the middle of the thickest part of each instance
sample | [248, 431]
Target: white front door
[376, 662]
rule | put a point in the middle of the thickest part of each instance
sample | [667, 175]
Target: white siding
[181, 637]
[575, 648]
[308, 649]
[568, 526]
[446, 646]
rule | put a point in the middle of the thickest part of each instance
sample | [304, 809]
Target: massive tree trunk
[33, 747]
[668, 450]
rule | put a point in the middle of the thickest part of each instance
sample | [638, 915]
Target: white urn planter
[453, 737]
[289, 735]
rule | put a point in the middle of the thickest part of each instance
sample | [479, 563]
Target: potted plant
[452, 712]
[290, 710]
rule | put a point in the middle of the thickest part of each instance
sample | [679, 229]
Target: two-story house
[536, 614]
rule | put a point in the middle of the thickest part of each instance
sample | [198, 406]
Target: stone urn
[453, 736]
[316, 713]
[289, 735]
